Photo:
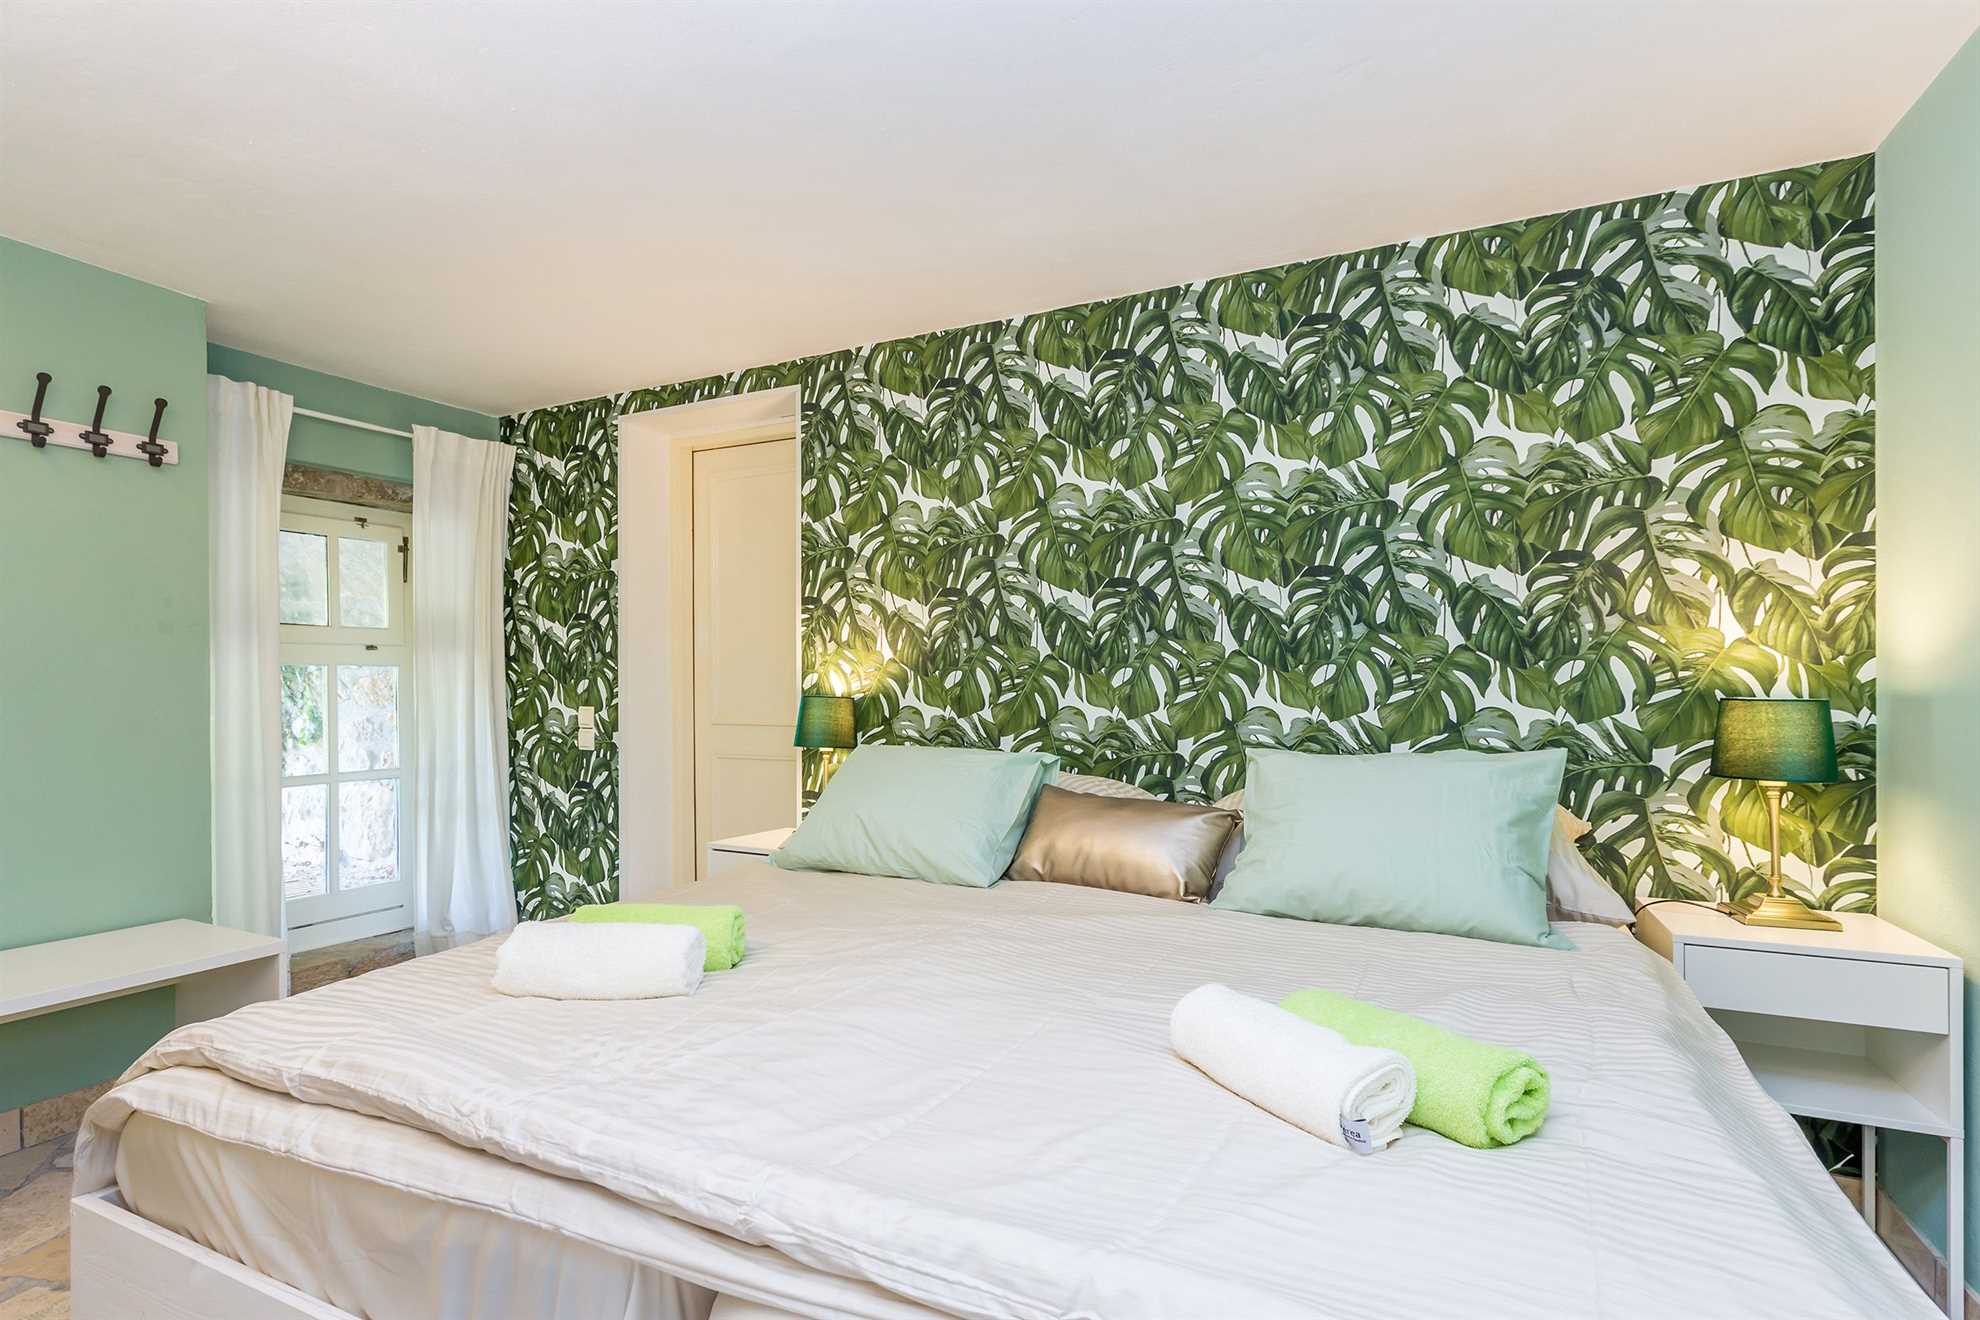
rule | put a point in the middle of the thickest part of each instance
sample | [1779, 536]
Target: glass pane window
[304, 574]
[347, 718]
[361, 589]
[303, 821]
[305, 707]
[367, 832]
[367, 717]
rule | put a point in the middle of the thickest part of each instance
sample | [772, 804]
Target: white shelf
[44, 978]
[1845, 1087]
[760, 844]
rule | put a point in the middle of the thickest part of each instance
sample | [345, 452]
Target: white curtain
[460, 799]
[249, 428]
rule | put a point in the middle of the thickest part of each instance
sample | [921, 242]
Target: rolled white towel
[1313, 1078]
[600, 960]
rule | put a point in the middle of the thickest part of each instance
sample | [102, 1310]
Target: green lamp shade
[1780, 738]
[824, 721]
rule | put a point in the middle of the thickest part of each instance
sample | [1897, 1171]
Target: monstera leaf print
[1243, 526]
[1849, 597]
[1670, 272]
[1561, 482]
[1780, 611]
[1571, 595]
[1846, 494]
[1325, 609]
[1470, 507]
[1324, 353]
[1439, 688]
[1777, 306]
[1662, 847]
[1674, 570]
[1211, 451]
[1434, 423]
[1489, 347]
[1769, 210]
[1250, 304]
[1713, 388]
[1492, 622]
[1478, 261]
[1216, 690]
[1408, 579]
[1025, 470]
[1353, 419]
[1847, 287]
[1703, 667]
[1568, 485]
[1760, 479]
[1361, 674]
[1570, 314]
[1403, 315]
[1616, 379]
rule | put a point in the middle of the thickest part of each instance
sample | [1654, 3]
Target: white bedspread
[967, 1097]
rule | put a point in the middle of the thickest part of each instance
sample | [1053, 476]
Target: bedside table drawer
[1905, 996]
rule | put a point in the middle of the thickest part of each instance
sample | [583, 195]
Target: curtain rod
[350, 421]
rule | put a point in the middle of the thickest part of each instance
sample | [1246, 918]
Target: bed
[915, 1100]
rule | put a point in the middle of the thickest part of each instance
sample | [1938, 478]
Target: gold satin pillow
[1140, 845]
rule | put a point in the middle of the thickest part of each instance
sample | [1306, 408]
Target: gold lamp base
[1776, 908]
[1784, 910]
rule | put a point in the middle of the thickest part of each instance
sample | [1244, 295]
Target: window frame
[338, 913]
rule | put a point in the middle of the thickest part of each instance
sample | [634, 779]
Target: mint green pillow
[948, 815]
[1451, 842]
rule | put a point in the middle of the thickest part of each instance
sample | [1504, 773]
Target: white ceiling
[502, 205]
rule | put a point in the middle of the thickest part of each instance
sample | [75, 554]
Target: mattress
[452, 1234]
[378, 1250]
[966, 1099]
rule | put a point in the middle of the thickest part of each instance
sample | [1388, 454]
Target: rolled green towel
[1478, 1094]
[720, 925]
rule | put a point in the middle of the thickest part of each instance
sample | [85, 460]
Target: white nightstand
[1860, 1025]
[724, 854]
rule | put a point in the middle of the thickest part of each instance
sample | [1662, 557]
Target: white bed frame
[124, 1267]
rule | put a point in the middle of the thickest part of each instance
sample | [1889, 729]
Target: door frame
[656, 645]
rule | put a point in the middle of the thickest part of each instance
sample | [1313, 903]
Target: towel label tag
[1354, 1131]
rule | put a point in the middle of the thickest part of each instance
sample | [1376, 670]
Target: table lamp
[1776, 741]
[824, 721]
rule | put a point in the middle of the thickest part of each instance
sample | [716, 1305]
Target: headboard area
[1559, 482]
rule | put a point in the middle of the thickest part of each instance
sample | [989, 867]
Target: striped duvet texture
[967, 1098]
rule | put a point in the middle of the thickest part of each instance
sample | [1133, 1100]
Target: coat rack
[42, 432]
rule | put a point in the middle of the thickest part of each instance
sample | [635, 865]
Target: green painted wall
[1928, 615]
[104, 801]
[346, 448]
[104, 806]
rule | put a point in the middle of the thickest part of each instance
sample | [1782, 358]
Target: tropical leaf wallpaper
[1561, 482]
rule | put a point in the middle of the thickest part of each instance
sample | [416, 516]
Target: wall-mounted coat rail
[42, 431]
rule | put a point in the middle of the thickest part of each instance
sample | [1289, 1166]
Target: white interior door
[745, 642]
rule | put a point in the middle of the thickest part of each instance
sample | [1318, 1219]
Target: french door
[346, 721]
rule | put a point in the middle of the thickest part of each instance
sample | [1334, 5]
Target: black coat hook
[99, 443]
[37, 430]
[150, 447]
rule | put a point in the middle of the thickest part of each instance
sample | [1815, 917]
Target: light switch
[587, 728]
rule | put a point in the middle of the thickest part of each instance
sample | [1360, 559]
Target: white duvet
[967, 1098]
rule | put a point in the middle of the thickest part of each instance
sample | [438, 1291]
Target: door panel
[745, 641]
